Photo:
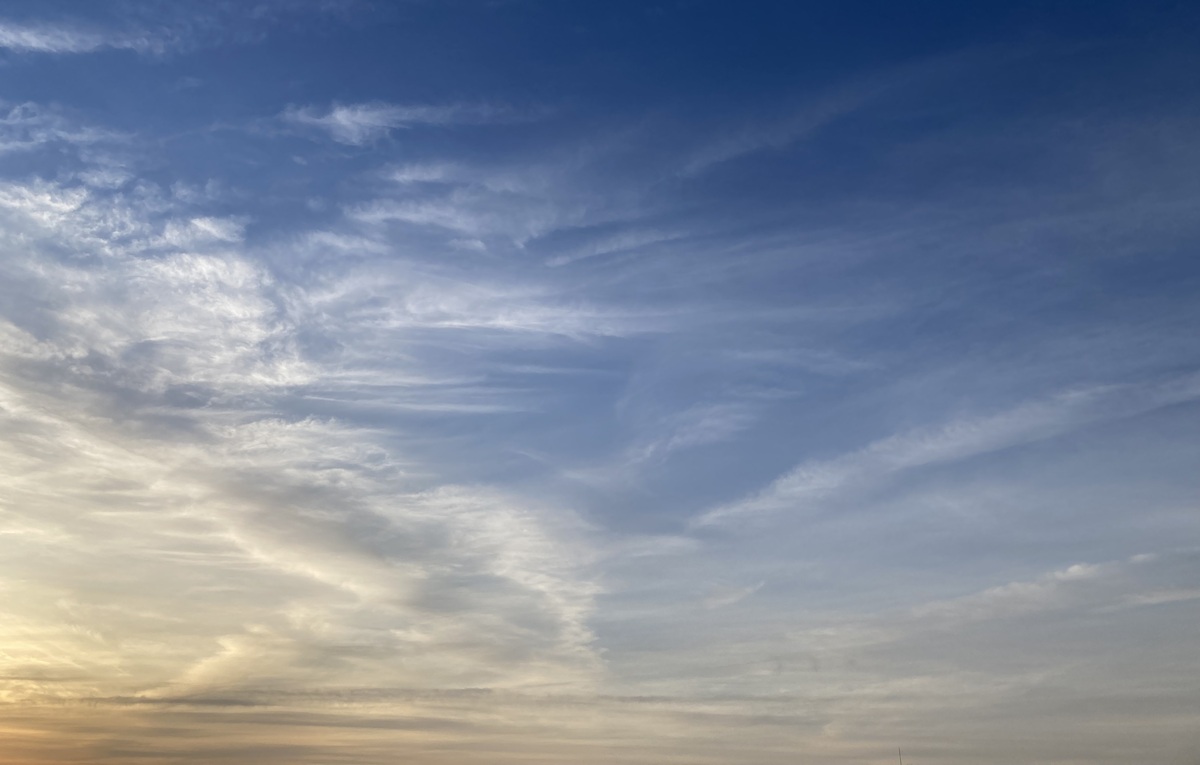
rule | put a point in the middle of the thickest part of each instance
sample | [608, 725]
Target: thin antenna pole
[901, 754]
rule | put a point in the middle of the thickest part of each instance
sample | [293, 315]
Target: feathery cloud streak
[359, 124]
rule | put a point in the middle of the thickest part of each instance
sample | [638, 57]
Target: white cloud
[67, 39]
[425, 173]
[49, 39]
[309, 550]
[625, 241]
[158, 28]
[1015, 598]
[660, 438]
[29, 126]
[203, 229]
[811, 483]
[360, 124]
[763, 135]
[723, 596]
[767, 133]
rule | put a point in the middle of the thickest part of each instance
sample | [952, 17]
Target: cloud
[825, 109]
[65, 39]
[1014, 598]
[30, 126]
[626, 241]
[161, 28]
[664, 436]
[360, 124]
[310, 549]
[727, 596]
[776, 134]
[809, 485]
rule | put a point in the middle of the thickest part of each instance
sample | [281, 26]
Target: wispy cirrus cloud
[363, 123]
[44, 38]
[30, 126]
[810, 484]
[371, 553]
[159, 29]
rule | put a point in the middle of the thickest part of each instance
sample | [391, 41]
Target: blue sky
[625, 382]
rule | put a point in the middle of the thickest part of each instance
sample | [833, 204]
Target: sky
[669, 382]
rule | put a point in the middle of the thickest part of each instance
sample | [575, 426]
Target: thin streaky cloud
[364, 123]
[26, 39]
[159, 29]
[810, 484]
